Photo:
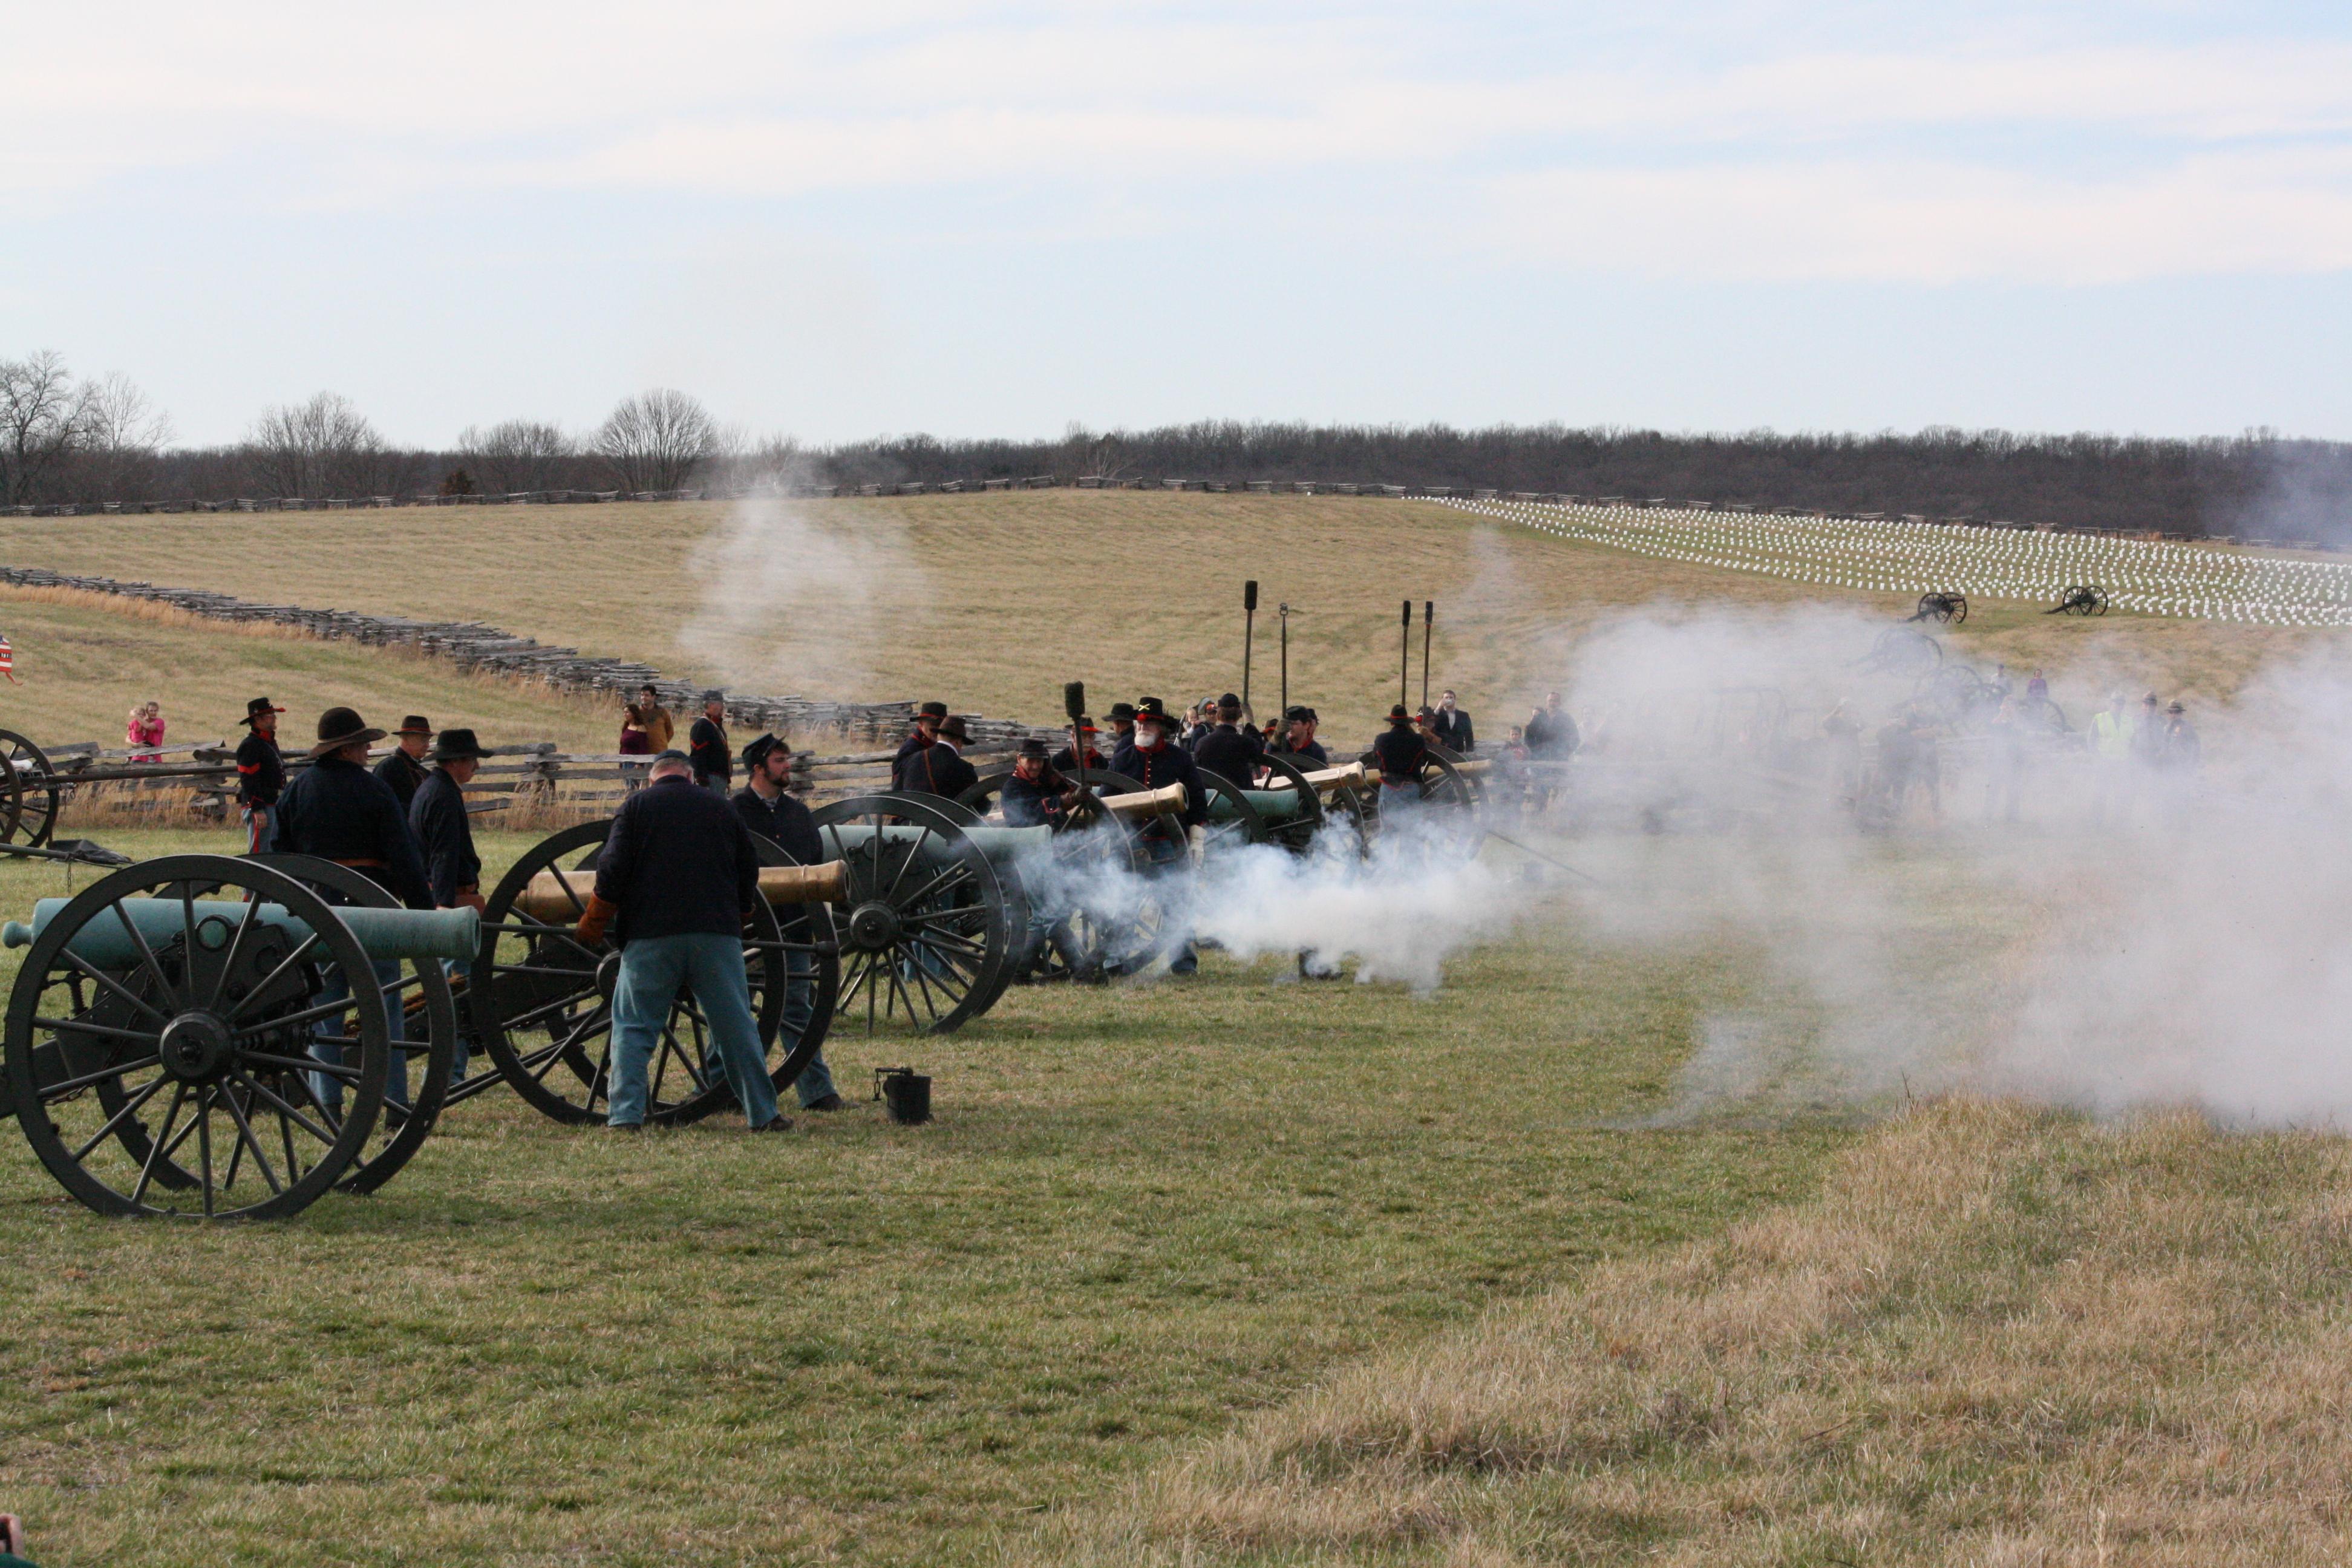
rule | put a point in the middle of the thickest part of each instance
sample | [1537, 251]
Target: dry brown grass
[83, 659]
[1999, 1336]
[993, 601]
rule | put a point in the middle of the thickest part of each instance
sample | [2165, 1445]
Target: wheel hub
[873, 925]
[195, 1048]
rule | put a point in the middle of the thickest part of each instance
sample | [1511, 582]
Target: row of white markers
[2158, 577]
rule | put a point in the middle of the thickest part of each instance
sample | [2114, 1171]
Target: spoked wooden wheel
[424, 1049]
[1294, 829]
[1345, 807]
[161, 1046]
[929, 930]
[29, 792]
[540, 1002]
[811, 944]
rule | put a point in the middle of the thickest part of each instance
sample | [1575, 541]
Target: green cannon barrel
[999, 844]
[1273, 804]
[386, 934]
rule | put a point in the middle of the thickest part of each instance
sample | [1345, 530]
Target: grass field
[992, 601]
[1238, 1270]
[1140, 1214]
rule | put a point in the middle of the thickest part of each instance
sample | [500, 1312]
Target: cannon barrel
[545, 898]
[999, 844]
[1144, 802]
[1274, 804]
[386, 934]
[1329, 779]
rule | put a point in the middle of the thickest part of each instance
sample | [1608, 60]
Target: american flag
[8, 661]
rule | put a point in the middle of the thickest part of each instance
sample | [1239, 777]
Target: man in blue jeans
[676, 879]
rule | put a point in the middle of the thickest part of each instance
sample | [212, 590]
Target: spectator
[1550, 733]
[2111, 752]
[660, 726]
[12, 1543]
[2183, 752]
[144, 730]
[1453, 727]
[636, 740]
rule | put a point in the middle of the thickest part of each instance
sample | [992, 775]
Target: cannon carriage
[207, 1037]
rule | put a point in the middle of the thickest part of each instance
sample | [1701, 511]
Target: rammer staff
[1249, 619]
[1428, 616]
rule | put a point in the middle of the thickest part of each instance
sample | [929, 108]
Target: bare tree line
[68, 439]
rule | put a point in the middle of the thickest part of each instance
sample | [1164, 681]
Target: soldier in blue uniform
[714, 768]
[1036, 794]
[1402, 750]
[1298, 736]
[1229, 750]
[938, 768]
[767, 808]
[1062, 761]
[927, 720]
[339, 811]
[1153, 759]
[403, 770]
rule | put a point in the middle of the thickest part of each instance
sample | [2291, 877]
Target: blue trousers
[330, 1045]
[653, 971]
[800, 1011]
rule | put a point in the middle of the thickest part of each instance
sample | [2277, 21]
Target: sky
[838, 221]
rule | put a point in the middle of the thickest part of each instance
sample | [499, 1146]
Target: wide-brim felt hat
[416, 724]
[456, 745]
[951, 728]
[1034, 748]
[1400, 714]
[257, 708]
[1119, 710]
[1153, 709]
[341, 727]
[932, 710]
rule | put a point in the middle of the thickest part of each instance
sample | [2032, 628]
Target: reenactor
[260, 775]
[1229, 750]
[1298, 736]
[1153, 759]
[1036, 794]
[1122, 726]
[767, 808]
[403, 769]
[677, 877]
[714, 765]
[339, 811]
[437, 817]
[927, 720]
[1064, 761]
[1402, 751]
[445, 836]
[938, 768]
[1451, 727]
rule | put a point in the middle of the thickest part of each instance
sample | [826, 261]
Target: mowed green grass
[1140, 1214]
[991, 602]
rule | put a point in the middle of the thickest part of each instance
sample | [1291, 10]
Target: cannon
[2083, 599]
[201, 1036]
[1944, 608]
[29, 792]
[538, 1001]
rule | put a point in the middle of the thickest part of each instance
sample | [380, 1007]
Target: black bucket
[905, 1093]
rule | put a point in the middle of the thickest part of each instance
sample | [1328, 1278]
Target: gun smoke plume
[2139, 936]
[795, 601]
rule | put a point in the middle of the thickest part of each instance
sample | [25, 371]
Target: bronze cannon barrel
[546, 897]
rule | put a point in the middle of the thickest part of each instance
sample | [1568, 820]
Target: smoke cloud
[795, 600]
[2143, 931]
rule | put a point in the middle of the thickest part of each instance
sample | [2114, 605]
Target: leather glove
[599, 916]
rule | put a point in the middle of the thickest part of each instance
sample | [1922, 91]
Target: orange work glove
[590, 929]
